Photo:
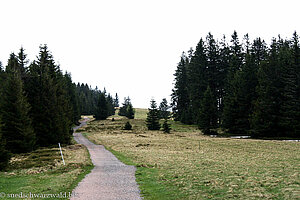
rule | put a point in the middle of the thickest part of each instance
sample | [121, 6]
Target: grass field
[42, 173]
[187, 165]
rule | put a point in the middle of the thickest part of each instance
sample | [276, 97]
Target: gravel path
[110, 178]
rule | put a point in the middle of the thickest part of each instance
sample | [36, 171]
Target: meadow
[185, 164]
[42, 173]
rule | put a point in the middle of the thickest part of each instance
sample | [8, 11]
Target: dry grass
[200, 167]
[42, 171]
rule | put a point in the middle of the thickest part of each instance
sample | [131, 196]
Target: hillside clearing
[187, 165]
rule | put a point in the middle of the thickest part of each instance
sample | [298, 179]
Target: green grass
[42, 172]
[188, 165]
[140, 113]
[147, 177]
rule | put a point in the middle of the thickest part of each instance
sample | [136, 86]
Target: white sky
[133, 46]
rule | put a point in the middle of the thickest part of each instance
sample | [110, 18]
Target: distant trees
[245, 88]
[89, 98]
[152, 120]
[127, 109]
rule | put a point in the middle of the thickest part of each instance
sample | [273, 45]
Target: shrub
[127, 126]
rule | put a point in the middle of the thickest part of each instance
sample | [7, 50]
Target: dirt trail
[110, 179]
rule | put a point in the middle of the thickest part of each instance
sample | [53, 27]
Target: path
[110, 179]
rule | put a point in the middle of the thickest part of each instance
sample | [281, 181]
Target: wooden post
[62, 157]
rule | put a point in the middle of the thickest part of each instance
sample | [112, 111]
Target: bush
[127, 126]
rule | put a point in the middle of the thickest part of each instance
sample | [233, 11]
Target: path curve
[110, 179]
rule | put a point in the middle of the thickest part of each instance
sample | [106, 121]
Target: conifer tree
[130, 112]
[128, 126]
[208, 112]
[224, 56]
[110, 105]
[4, 154]
[152, 120]
[196, 79]
[73, 98]
[239, 105]
[180, 97]
[289, 112]
[166, 126]
[102, 112]
[116, 101]
[265, 118]
[127, 109]
[17, 130]
[163, 109]
[23, 61]
[48, 98]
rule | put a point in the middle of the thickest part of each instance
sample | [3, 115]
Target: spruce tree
[196, 79]
[239, 104]
[163, 109]
[208, 112]
[266, 116]
[180, 96]
[166, 126]
[127, 109]
[152, 120]
[4, 154]
[296, 67]
[116, 101]
[17, 129]
[48, 97]
[73, 98]
[102, 112]
[110, 105]
[224, 57]
[289, 112]
[128, 126]
[130, 111]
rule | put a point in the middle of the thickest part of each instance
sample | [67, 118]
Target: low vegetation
[42, 172]
[188, 165]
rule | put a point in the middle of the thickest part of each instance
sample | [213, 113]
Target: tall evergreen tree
[196, 78]
[224, 59]
[17, 130]
[110, 105]
[265, 118]
[296, 67]
[208, 112]
[152, 120]
[23, 61]
[48, 98]
[73, 98]
[289, 112]
[239, 105]
[180, 97]
[102, 111]
[116, 101]
[4, 154]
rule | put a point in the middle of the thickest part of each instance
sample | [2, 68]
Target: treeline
[39, 104]
[243, 87]
[89, 100]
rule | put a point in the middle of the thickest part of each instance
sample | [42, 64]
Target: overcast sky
[132, 47]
